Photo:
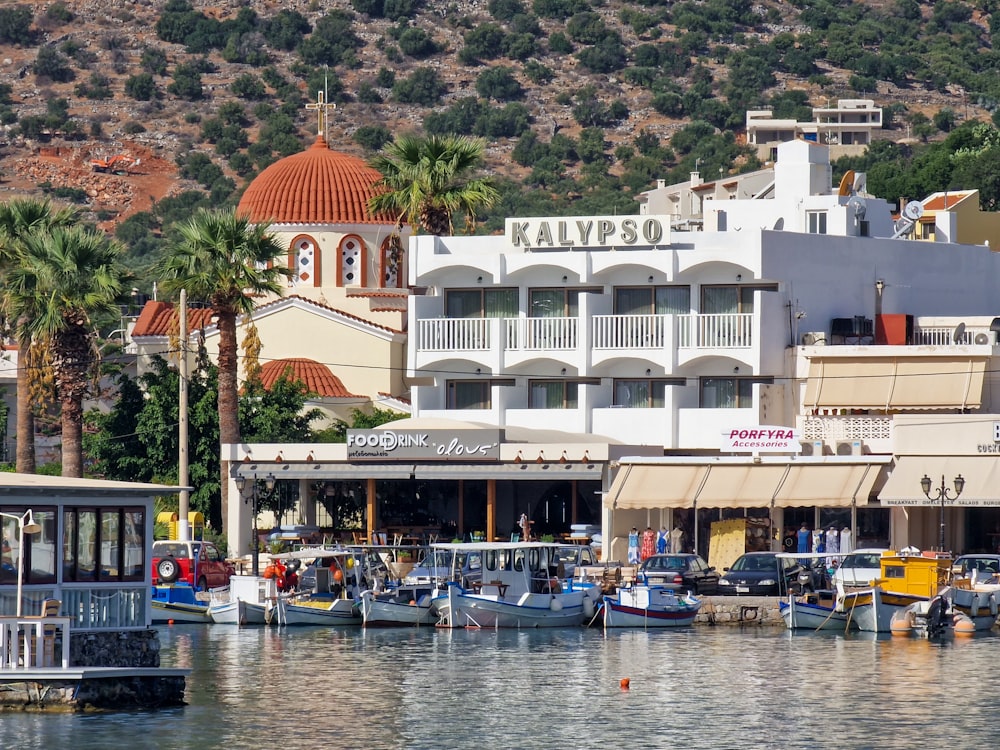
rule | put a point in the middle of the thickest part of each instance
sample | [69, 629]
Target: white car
[858, 568]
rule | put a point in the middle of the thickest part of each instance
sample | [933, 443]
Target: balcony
[501, 343]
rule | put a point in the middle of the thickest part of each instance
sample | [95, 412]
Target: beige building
[847, 128]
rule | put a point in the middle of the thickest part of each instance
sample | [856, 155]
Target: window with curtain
[648, 300]
[469, 394]
[558, 302]
[111, 551]
[643, 393]
[729, 393]
[104, 544]
[552, 394]
[481, 303]
[86, 546]
[41, 550]
[717, 300]
[133, 545]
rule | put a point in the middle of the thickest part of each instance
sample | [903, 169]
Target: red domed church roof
[315, 186]
[317, 377]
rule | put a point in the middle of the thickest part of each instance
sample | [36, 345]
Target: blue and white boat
[178, 603]
[649, 606]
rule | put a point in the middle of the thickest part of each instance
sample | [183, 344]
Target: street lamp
[26, 524]
[942, 495]
[252, 498]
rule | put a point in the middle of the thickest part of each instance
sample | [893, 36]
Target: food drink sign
[761, 439]
[423, 445]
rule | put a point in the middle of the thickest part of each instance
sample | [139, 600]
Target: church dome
[317, 377]
[315, 186]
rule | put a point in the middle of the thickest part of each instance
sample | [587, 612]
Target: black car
[688, 572]
[759, 574]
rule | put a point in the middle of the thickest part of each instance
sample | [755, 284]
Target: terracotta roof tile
[157, 317]
[315, 186]
[317, 377]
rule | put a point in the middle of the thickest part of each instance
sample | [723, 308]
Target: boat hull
[617, 615]
[463, 609]
[167, 613]
[803, 615]
[236, 612]
[383, 611]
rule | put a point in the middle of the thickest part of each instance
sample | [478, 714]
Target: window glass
[642, 393]
[469, 394]
[69, 545]
[490, 559]
[86, 546]
[552, 394]
[519, 559]
[673, 300]
[134, 545]
[11, 553]
[729, 393]
[40, 560]
[110, 545]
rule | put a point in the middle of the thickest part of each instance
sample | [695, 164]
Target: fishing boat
[814, 611]
[649, 606]
[236, 606]
[178, 604]
[908, 581]
[520, 587]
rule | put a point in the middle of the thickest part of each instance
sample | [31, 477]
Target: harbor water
[701, 687]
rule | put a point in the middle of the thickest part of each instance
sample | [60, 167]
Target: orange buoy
[170, 622]
[964, 626]
[338, 576]
[624, 683]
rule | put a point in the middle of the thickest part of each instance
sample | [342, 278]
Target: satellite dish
[860, 182]
[959, 333]
[858, 207]
[846, 183]
[779, 224]
[913, 211]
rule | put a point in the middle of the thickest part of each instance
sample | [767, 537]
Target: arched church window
[352, 261]
[304, 261]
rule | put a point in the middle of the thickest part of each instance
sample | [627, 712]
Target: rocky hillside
[644, 69]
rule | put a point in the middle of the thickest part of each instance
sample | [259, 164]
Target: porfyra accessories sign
[424, 445]
[761, 439]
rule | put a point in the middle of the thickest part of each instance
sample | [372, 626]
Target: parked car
[759, 574]
[573, 556]
[197, 563]
[986, 566]
[858, 568]
[687, 571]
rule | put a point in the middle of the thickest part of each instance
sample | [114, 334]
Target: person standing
[633, 546]
[648, 548]
[804, 538]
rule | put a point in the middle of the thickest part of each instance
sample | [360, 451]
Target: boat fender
[588, 607]
[975, 605]
[993, 604]
[595, 593]
[555, 605]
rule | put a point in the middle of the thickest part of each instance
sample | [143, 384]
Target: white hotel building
[803, 306]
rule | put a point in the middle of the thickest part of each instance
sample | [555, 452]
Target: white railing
[453, 334]
[715, 331]
[630, 331]
[945, 336]
[830, 429]
[552, 334]
[105, 608]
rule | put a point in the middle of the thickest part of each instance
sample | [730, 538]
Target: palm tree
[63, 280]
[222, 258]
[424, 182]
[19, 219]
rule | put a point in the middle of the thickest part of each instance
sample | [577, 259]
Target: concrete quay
[739, 610]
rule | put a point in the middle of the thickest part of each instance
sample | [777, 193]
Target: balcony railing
[609, 332]
[630, 331]
[551, 334]
[715, 331]
[950, 336]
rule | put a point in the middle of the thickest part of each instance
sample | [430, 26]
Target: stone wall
[739, 610]
[128, 648]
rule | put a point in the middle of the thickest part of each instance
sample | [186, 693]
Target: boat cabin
[922, 574]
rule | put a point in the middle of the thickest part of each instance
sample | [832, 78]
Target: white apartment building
[623, 328]
[847, 128]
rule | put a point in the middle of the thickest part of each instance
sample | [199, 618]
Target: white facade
[547, 326]
[847, 128]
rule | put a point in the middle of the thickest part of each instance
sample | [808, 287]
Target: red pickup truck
[199, 564]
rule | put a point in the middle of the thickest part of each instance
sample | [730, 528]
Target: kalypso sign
[761, 439]
[588, 232]
[423, 445]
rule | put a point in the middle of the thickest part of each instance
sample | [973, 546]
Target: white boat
[243, 603]
[520, 588]
[405, 605]
[814, 612]
[312, 610]
[645, 606]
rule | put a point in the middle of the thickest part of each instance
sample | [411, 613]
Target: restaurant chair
[50, 608]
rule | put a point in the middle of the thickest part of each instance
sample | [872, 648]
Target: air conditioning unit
[849, 448]
[985, 339]
[814, 338]
[811, 448]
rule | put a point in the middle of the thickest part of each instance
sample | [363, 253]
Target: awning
[322, 471]
[981, 475]
[532, 471]
[826, 482]
[895, 383]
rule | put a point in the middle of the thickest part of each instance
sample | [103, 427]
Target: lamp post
[252, 498]
[942, 495]
[26, 524]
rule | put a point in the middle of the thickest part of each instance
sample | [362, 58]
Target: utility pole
[183, 527]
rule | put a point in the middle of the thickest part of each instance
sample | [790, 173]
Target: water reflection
[425, 688]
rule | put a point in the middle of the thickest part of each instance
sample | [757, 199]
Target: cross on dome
[321, 106]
